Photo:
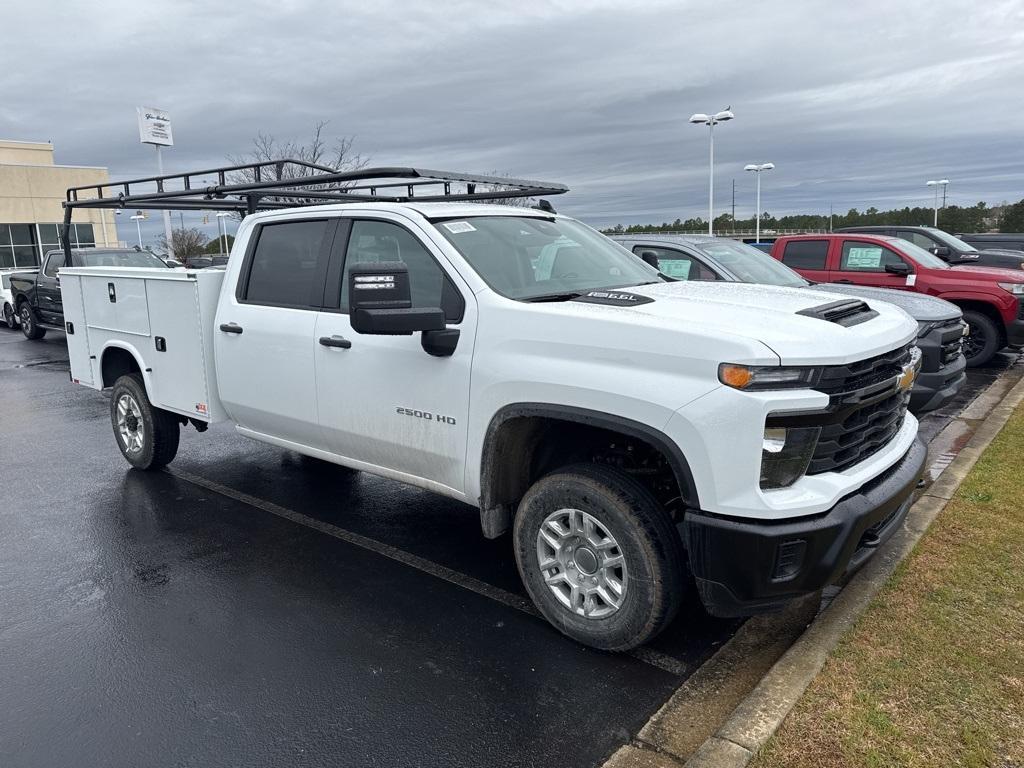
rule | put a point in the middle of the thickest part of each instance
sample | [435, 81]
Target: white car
[10, 317]
[635, 433]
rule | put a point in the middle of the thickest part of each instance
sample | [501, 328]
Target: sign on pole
[154, 127]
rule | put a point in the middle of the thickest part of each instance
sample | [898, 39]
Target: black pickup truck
[36, 296]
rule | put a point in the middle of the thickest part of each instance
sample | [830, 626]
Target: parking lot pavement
[250, 607]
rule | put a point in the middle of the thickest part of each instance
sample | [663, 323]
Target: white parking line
[657, 659]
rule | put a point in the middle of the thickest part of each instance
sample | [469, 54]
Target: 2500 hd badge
[426, 415]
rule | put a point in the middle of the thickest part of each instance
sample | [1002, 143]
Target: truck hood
[924, 309]
[768, 314]
[990, 274]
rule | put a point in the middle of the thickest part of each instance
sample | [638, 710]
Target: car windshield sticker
[678, 268]
[864, 258]
[456, 227]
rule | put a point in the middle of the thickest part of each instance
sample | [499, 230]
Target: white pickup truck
[637, 434]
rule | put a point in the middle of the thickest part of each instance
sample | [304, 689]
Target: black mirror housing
[380, 301]
[898, 269]
[650, 257]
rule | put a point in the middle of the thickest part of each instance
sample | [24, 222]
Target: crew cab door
[808, 257]
[864, 262]
[48, 300]
[264, 330]
[383, 401]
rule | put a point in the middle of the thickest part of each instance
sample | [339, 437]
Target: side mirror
[380, 302]
[941, 251]
[651, 257]
[899, 268]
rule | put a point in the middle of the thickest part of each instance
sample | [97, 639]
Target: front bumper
[1015, 330]
[743, 567]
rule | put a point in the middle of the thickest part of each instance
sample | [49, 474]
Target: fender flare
[131, 350]
[655, 437]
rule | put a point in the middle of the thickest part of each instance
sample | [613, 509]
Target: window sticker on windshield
[455, 227]
[864, 258]
[679, 268]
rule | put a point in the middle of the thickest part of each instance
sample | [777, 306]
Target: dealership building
[32, 188]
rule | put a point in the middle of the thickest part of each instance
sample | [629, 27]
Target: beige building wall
[32, 189]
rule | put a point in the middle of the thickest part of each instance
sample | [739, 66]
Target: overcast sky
[857, 104]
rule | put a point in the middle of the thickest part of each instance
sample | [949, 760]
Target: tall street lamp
[757, 170]
[137, 218]
[938, 183]
[223, 225]
[711, 121]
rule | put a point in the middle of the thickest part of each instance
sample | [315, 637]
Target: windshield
[953, 242]
[921, 256]
[751, 265]
[99, 258]
[528, 257]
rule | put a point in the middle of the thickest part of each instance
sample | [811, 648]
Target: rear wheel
[983, 340]
[147, 436]
[599, 556]
[29, 322]
[9, 316]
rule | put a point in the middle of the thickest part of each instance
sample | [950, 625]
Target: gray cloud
[857, 104]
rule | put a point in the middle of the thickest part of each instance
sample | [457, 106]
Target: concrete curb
[761, 713]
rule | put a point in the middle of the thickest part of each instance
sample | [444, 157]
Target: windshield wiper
[555, 296]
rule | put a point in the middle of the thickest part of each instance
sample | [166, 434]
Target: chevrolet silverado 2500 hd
[636, 434]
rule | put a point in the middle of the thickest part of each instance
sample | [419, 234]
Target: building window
[82, 236]
[18, 245]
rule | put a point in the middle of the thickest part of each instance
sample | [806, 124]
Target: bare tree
[184, 243]
[338, 155]
[515, 202]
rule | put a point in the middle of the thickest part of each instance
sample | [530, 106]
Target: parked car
[945, 246]
[37, 297]
[992, 299]
[631, 431]
[10, 316]
[701, 257]
[994, 241]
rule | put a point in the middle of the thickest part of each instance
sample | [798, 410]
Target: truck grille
[864, 413]
[952, 336]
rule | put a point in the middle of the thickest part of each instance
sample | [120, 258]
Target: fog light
[785, 454]
[789, 559]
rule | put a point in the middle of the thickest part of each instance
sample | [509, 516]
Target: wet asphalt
[147, 620]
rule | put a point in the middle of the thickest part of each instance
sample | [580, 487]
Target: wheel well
[986, 309]
[522, 447]
[116, 363]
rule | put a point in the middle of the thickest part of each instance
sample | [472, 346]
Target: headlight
[755, 377]
[1017, 289]
[785, 454]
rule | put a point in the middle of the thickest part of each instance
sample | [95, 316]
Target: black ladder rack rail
[276, 184]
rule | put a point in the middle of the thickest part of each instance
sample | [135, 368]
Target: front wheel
[599, 556]
[983, 339]
[29, 322]
[147, 436]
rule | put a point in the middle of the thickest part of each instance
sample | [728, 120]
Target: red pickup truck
[992, 299]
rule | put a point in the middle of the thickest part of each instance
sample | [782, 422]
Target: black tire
[30, 322]
[9, 318]
[157, 431]
[655, 571]
[984, 339]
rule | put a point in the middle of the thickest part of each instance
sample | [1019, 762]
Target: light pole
[757, 170]
[711, 121]
[938, 183]
[222, 224]
[137, 218]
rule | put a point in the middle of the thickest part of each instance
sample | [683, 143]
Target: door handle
[231, 328]
[845, 281]
[335, 341]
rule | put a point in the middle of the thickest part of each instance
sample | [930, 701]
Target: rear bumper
[743, 567]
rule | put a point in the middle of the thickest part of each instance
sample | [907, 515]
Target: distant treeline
[952, 218]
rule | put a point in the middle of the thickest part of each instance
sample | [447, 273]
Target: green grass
[933, 673]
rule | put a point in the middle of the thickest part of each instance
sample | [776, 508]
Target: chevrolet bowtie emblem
[907, 376]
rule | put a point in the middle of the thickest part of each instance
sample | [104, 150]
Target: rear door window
[805, 254]
[285, 266]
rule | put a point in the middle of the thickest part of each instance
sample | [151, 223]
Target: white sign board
[154, 127]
